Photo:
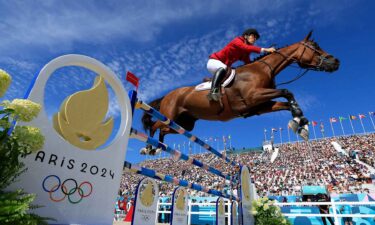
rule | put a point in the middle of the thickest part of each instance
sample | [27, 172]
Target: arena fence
[334, 212]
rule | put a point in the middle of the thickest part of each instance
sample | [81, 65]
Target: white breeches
[213, 65]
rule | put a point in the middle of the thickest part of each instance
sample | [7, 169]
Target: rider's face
[251, 38]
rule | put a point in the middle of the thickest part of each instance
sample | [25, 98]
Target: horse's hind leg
[162, 133]
[149, 149]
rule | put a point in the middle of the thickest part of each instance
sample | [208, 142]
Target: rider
[238, 49]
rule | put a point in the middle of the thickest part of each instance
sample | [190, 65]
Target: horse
[251, 92]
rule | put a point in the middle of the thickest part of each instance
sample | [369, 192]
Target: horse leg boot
[215, 85]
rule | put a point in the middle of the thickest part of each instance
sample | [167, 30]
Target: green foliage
[16, 142]
[266, 213]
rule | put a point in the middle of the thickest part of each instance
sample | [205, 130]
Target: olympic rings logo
[68, 187]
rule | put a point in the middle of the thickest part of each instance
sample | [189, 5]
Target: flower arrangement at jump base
[15, 142]
[265, 213]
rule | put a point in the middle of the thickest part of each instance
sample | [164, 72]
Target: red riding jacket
[236, 50]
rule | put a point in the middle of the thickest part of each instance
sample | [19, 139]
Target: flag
[351, 117]
[224, 139]
[265, 131]
[280, 128]
[361, 116]
[132, 79]
[274, 130]
[371, 113]
[341, 118]
[332, 120]
[322, 126]
[314, 123]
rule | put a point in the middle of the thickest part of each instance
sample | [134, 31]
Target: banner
[246, 196]
[179, 206]
[234, 213]
[74, 181]
[146, 202]
[220, 211]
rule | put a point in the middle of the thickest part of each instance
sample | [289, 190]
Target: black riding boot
[215, 85]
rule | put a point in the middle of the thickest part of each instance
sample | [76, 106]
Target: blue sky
[166, 44]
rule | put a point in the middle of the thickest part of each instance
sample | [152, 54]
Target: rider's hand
[270, 49]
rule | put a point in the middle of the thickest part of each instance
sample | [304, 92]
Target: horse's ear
[308, 36]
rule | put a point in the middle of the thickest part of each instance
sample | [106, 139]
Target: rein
[294, 79]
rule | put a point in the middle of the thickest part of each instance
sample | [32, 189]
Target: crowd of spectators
[316, 162]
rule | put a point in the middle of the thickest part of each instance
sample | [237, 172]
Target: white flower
[5, 80]
[24, 109]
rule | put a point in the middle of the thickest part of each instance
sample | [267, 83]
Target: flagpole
[281, 138]
[363, 127]
[351, 124]
[265, 137]
[230, 142]
[322, 128]
[314, 132]
[342, 128]
[332, 127]
[370, 115]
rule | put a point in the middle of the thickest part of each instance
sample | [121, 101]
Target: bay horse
[250, 93]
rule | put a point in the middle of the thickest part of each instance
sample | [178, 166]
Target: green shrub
[15, 142]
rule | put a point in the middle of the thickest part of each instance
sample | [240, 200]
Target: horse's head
[310, 56]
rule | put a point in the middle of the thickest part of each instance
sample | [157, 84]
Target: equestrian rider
[239, 48]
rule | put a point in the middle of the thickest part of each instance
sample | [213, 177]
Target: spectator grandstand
[316, 162]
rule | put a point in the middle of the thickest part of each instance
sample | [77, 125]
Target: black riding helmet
[251, 31]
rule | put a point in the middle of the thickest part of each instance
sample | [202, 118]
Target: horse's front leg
[299, 123]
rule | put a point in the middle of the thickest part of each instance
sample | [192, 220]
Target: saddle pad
[207, 85]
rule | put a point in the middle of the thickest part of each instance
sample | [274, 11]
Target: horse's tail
[147, 121]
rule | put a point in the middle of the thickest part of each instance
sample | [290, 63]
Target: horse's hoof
[304, 134]
[157, 151]
[294, 125]
[143, 151]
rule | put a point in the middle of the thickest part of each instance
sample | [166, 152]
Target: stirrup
[214, 96]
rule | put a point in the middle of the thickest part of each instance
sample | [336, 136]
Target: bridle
[323, 58]
[307, 66]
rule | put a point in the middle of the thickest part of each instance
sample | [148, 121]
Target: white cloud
[61, 24]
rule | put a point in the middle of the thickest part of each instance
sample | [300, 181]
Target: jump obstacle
[177, 155]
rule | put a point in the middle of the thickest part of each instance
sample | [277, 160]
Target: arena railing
[333, 205]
